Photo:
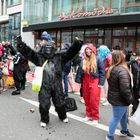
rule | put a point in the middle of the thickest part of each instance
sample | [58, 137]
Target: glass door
[117, 43]
[97, 41]
[130, 44]
[127, 43]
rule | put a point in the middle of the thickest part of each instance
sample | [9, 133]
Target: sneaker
[106, 103]
[126, 133]
[109, 137]
[4, 89]
[95, 122]
[66, 120]
[42, 124]
[82, 100]
[102, 100]
[86, 119]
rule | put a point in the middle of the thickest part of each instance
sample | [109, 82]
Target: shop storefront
[110, 22]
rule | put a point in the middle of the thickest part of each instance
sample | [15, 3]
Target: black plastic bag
[70, 104]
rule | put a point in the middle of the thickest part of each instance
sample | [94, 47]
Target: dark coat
[20, 63]
[136, 75]
[120, 89]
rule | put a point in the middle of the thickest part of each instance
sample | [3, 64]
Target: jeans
[65, 80]
[120, 114]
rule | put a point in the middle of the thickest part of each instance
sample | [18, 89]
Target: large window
[14, 26]
[131, 6]
[133, 1]
[56, 8]
[36, 11]
[114, 3]
[66, 37]
[13, 2]
[3, 32]
[78, 33]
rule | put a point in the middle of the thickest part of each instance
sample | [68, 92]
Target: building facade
[11, 15]
[115, 23]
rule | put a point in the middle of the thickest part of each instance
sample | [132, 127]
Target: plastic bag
[136, 117]
[37, 81]
[5, 70]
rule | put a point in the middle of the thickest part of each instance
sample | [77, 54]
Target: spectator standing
[133, 56]
[65, 73]
[78, 78]
[66, 69]
[135, 69]
[105, 55]
[93, 77]
[20, 69]
[119, 94]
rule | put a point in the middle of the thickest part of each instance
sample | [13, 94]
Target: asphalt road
[18, 123]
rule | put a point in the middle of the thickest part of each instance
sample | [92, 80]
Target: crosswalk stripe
[99, 126]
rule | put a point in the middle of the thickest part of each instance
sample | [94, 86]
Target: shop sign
[79, 13]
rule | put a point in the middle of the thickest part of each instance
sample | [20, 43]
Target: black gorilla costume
[52, 75]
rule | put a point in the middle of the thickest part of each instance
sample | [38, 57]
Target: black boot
[16, 92]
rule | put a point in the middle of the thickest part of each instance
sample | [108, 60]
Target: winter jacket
[135, 67]
[100, 72]
[20, 62]
[120, 90]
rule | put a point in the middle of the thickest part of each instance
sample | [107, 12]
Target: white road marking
[99, 126]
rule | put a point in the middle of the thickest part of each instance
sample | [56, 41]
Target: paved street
[18, 123]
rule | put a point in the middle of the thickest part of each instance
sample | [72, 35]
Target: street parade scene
[69, 69]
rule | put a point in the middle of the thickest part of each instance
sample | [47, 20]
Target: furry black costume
[52, 75]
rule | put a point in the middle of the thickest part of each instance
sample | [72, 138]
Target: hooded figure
[52, 74]
[92, 78]
[103, 51]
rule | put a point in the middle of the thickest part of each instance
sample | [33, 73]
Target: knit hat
[91, 46]
[46, 36]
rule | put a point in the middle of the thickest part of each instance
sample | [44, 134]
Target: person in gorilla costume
[52, 74]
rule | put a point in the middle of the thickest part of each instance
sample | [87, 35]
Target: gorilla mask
[48, 51]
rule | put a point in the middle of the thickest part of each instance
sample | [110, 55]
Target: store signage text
[78, 13]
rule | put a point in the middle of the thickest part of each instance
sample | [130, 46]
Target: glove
[19, 40]
[19, 43]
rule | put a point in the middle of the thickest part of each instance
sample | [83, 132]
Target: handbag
[38, 75]
[70, 104]
[136, 117]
